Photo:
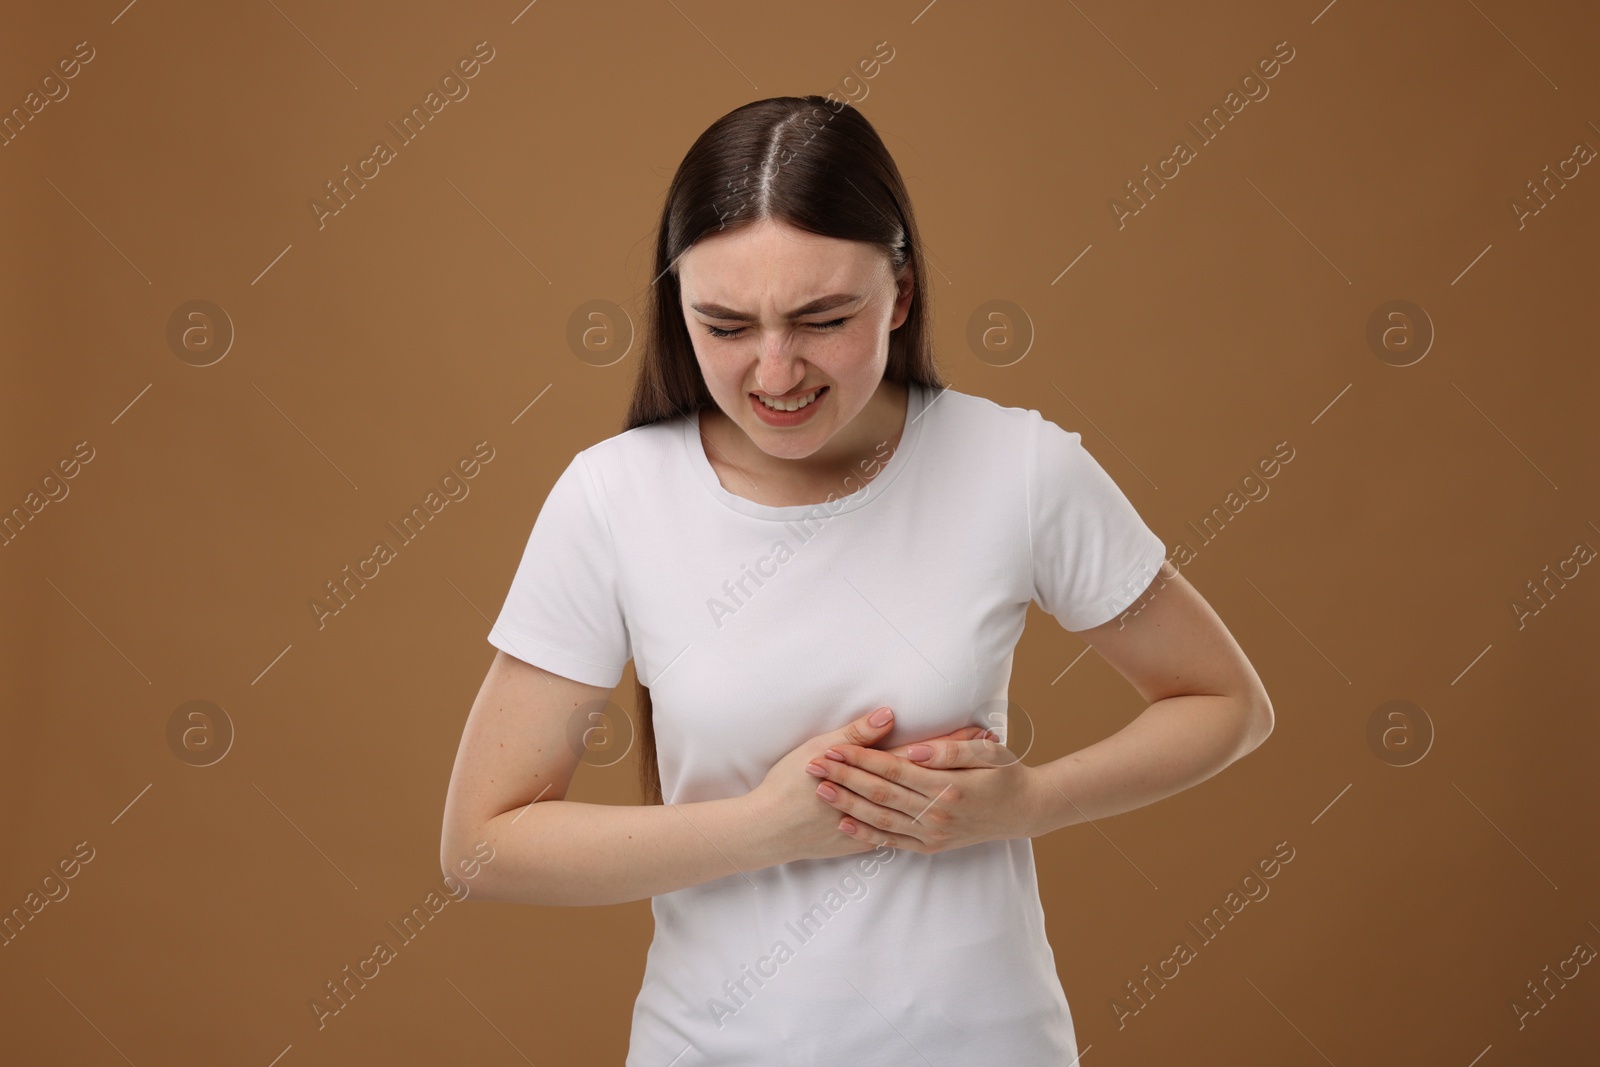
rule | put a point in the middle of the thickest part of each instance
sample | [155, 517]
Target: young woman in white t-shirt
[788, 265]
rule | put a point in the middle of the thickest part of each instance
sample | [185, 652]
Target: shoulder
[975, 406]
[967, 420]
[1041, 458]
[620, 453]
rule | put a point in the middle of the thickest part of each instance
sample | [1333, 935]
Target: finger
[867, 729]
[886, 790]
[857, 766]
[964, 733]
[886, 820]
[946, 755]
[871, 835]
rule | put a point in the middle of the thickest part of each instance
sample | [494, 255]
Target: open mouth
[793, 404]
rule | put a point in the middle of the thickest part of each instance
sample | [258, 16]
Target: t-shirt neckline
[917, 404]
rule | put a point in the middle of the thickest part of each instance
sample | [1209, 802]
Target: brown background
[371, 353]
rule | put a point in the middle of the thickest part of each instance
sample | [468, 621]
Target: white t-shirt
[757, 627]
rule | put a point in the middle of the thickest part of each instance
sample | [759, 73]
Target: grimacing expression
[775, 310]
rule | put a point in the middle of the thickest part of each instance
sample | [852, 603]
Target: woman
[819, 558]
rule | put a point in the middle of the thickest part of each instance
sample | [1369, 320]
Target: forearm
[1175, 743]
[561, 852]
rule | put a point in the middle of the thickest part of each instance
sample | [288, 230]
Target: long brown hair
[816, 164]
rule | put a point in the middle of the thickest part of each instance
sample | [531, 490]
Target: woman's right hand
[791, 810]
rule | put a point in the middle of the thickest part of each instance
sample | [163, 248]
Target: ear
[905, 289]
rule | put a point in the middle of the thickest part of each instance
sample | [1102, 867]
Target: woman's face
[798, 314]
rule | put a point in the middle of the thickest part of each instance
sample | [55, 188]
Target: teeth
[790, 405]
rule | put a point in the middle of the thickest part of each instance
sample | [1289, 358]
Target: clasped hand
[931, 796]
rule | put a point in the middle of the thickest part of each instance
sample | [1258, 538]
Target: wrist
[1043, 802]
[765, 842]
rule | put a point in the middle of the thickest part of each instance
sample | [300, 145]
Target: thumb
[969, 733]
[980, 750]
[867, 729]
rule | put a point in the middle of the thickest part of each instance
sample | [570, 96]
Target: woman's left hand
[931, 796]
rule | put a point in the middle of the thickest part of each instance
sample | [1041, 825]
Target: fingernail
[827, 792]
[847, 827]
[817, 769]
[832, 754]
[881, 717]
[919, 752]
[990, 735]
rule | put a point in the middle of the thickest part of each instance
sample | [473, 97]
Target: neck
[873, 432]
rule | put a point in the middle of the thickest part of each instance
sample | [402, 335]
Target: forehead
[769, 257]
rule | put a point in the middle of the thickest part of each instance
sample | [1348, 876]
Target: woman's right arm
[515, 751]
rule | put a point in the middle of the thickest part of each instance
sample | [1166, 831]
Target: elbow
[468, 865]
[446, 850]
[1258, 720]
[450, 847]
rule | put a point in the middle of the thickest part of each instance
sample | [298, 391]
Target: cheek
[857, 357]
[713, 364]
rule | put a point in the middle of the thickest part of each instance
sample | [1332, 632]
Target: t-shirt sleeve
[563, 612]
[1093, 555]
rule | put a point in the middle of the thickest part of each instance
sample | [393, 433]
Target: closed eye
[717, 331]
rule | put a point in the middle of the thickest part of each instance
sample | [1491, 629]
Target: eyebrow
[821, 303]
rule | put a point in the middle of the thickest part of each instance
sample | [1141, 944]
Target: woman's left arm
[1207, 708]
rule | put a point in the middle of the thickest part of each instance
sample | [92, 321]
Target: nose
[777, 369]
